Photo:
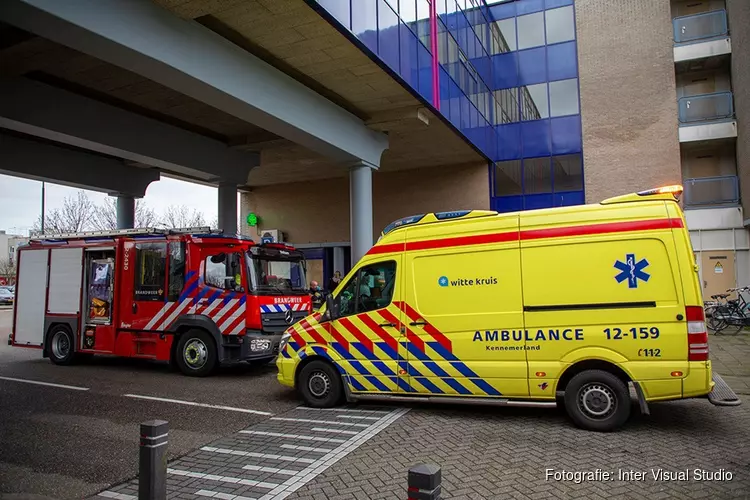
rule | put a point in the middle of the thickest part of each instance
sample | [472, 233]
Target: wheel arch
[51, 323]
[591, 364]
[316, 353]
[193, 322]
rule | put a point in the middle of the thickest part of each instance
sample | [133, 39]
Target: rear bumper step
[722, 394]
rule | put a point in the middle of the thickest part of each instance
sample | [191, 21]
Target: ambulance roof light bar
[675, 189]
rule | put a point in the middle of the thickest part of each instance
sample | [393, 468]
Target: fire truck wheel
[320, 384]
[60, 345]
[196, 353]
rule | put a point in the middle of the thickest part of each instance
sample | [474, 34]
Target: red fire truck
[193, 297]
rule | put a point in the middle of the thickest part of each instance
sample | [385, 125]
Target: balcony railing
[704, 191]
[700, 26]
[700, 108]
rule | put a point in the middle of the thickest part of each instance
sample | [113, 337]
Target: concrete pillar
[338, 260]
[125, 212]
[360, 210]
[228, 208]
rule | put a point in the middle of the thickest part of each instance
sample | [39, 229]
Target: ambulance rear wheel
[597, 400]
[320, 385]
[196, 353]
[60, 345]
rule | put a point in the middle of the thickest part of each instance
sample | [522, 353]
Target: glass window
[394, 4]
[151, 272]
[176, 269]
[365, 17]
[530, 30]
[276, 271]
[567, 173]
[224, 271]
[423, 16]
[560, 25]
[370, 289]
[534, 102]
[508, 178]
[506, 35]
[563, 97]
[506, 110]
[536, 175]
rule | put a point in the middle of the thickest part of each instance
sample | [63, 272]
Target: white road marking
[294, 436]
[117, 496]
[305, 448]
[223, 496]
[48, 384]
[359, 417]
[352, 410]
[319, 466]
[310, 421]
[337, 431]
[192, 403]
[223, 479]
[286, 458]
[275, 470]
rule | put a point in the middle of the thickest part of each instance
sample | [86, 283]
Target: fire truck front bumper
[250, 347]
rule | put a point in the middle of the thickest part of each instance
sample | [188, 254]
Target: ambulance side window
[370, 289]
[176, 269]
[150, 271]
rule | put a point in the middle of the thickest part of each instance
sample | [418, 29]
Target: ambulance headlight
[260, 345]
[284, 341]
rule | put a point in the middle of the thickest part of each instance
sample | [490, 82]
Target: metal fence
[721, 190]
[700, 26]
[706, 107]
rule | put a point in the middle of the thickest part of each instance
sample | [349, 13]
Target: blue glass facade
[504, 73]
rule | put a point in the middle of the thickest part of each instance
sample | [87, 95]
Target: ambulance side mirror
[331, 312]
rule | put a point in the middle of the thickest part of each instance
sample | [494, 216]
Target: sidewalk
[730, 355]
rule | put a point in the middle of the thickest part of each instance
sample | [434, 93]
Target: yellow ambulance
[565, 306]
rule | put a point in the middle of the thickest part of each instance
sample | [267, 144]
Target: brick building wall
[318, 211]
[738, 13]
[628, 96]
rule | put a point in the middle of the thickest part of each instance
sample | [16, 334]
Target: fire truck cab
[194, 297]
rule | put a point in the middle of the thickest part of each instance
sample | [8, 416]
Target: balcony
[701, 35]
[711, 191]
[707, 117]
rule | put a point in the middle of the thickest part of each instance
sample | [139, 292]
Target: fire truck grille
[276, 322]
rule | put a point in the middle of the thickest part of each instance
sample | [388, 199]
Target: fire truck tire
[60, 345]
[196, 353]
[320, 384]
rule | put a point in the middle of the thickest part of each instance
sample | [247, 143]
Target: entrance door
[717, 270]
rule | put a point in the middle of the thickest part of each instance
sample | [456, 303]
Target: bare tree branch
[180, 216]
[105, 216]
[74, 216]
[7, 268]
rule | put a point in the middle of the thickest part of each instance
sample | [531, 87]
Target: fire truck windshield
[276, 272]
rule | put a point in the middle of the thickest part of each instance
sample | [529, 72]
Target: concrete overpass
[106, 95]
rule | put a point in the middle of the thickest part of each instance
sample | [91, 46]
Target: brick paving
[503, 453]
[730, 355]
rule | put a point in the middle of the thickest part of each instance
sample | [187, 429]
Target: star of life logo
[632, 270]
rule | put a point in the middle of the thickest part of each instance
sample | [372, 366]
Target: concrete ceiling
[287, 34]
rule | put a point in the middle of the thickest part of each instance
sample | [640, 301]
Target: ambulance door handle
[387, 324]
[418, 323]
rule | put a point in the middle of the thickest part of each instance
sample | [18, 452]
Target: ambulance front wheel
[597, 400]
[320, 384]
[196, 353]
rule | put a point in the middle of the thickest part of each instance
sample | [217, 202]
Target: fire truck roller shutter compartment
[66, 271]
[31, 291]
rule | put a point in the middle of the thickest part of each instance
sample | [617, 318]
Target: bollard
[152, 464]
[424, 482]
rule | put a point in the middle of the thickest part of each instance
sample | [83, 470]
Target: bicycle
[728, 316]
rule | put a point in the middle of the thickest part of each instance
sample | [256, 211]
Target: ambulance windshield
[276, 271]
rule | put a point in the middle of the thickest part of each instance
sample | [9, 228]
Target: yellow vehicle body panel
[501, 305]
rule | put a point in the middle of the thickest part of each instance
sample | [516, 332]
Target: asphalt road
[67, 442]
